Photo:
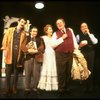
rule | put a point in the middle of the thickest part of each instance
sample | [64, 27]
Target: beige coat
[79, 67]
[7, 44]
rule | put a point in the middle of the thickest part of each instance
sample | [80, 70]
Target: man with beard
[11, 45]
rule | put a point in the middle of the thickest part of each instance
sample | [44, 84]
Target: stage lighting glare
[39, 5]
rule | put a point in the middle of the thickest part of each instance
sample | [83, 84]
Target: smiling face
[48, 30]
[21, 23]
[84, 27]
[60, 23]
[34, 32]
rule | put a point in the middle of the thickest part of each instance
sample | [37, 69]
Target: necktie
[63, 31]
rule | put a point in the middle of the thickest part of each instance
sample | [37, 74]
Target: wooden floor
[76, 87]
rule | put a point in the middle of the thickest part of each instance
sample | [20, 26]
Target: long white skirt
[48, 78]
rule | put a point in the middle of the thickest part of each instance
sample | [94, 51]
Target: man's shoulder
[69, 28]
[39, 38]
[11, 28]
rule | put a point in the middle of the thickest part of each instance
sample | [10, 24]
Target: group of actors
[54, 72]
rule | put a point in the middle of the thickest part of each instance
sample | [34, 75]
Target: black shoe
[6, 92]
[88, 91]
[68, 92]
[35, 89]
[26, 92]
[61, 92]
[14, 91]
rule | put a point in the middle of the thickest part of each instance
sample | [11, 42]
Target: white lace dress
[48, 78]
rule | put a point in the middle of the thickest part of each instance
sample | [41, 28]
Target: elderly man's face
[60, 24]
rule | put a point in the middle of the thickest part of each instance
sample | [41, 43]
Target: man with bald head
[86, 41]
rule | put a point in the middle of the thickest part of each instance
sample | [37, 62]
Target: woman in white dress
[48, 79]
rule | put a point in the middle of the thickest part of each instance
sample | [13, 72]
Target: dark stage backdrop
[74, 12]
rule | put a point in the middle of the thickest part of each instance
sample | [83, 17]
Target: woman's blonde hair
[46, 28]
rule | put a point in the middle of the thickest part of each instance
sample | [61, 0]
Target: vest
[16, 43]
[67, 45]
[38, 42]
[89, 46]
